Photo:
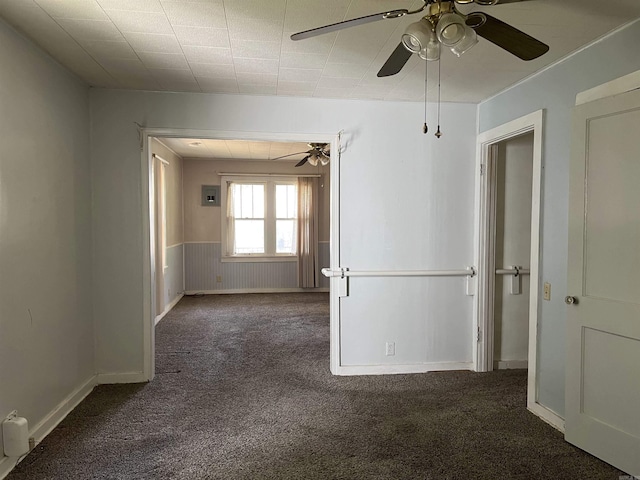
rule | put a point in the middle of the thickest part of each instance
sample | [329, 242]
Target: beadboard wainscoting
[203, 268]
[174, 273]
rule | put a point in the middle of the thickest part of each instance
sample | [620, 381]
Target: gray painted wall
[203, 266]
[46, 325]
[555, 90]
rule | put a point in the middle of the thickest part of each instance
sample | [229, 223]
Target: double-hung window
[259, 218]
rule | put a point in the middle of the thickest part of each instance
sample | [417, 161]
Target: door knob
[569, 300]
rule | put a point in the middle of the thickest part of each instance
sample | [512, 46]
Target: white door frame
[485, 199]
[147, 189]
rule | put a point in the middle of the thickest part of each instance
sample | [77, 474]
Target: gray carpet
[243, 391]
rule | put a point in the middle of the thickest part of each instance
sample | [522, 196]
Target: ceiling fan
[443, 25]
[318, 152]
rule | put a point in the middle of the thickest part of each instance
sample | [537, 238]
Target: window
[260, 217]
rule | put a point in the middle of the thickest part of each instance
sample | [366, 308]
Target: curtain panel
[308, 264]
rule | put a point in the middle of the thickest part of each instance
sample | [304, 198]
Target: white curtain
[231, 220]
[308, 268]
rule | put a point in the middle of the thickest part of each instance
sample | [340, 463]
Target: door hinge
[481, 169]
[479, 338]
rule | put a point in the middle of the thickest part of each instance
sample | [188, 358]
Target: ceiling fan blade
[395, 62]
[349, 23]
[303, 161]
[505, 36]
[290, 155]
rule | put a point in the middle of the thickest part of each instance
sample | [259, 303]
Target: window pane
[258, 201]
[248, 201]
[249, 236]
[286, 236]
[286, 201]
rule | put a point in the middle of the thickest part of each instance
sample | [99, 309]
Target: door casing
[148, 210]
[483, 348]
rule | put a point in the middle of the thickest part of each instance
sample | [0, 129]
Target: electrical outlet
[219, 279]
[547, 291]
[390, 349]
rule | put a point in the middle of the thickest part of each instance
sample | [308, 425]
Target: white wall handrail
[344, 272]
[512, 271]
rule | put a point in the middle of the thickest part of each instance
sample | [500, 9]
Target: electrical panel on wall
[210, 195]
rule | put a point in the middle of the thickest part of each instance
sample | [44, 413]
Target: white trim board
[113, 378]
[399, 369]
[552, 418]
[169, 308]
[256, 290]
[614, 87]
[45, 426]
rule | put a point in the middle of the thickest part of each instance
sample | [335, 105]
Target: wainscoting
[173, 274]
[202, 267]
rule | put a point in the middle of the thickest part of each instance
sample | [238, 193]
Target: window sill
[260, 259]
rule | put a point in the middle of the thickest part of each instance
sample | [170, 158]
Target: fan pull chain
[425, 128]
[438, 133]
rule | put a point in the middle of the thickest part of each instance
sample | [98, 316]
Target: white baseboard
[549, 416]
[510, 364]
[51, 421]
[400, 369]
[258, 290]
[112, 378]
[169, 308]
[6, 465]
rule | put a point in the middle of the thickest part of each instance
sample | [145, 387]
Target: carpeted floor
[243, 391]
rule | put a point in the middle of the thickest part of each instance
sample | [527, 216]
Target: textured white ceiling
[236, 149]
[243, 46]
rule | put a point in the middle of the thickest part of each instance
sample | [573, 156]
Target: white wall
[46, 328]
[407, 202]
[514, 177]
[555, 90]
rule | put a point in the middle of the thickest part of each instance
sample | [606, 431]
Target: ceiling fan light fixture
[469, 40]
[313, 159]
[450, 29]
[486, 2]
[416, 36]
[431, 51]
[324, 160]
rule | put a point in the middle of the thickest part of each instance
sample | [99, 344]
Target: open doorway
[512, 180]
[204, 257]
[524, 137]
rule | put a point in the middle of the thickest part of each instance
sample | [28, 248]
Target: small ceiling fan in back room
[318, 152]
[443, 25]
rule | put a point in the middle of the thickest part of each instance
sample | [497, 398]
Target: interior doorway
[524, 137]
[166, 280]
[512, 179]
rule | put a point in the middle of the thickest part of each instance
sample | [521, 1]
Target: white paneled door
[603, 330]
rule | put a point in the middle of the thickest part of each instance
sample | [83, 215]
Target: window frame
[270, 182]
